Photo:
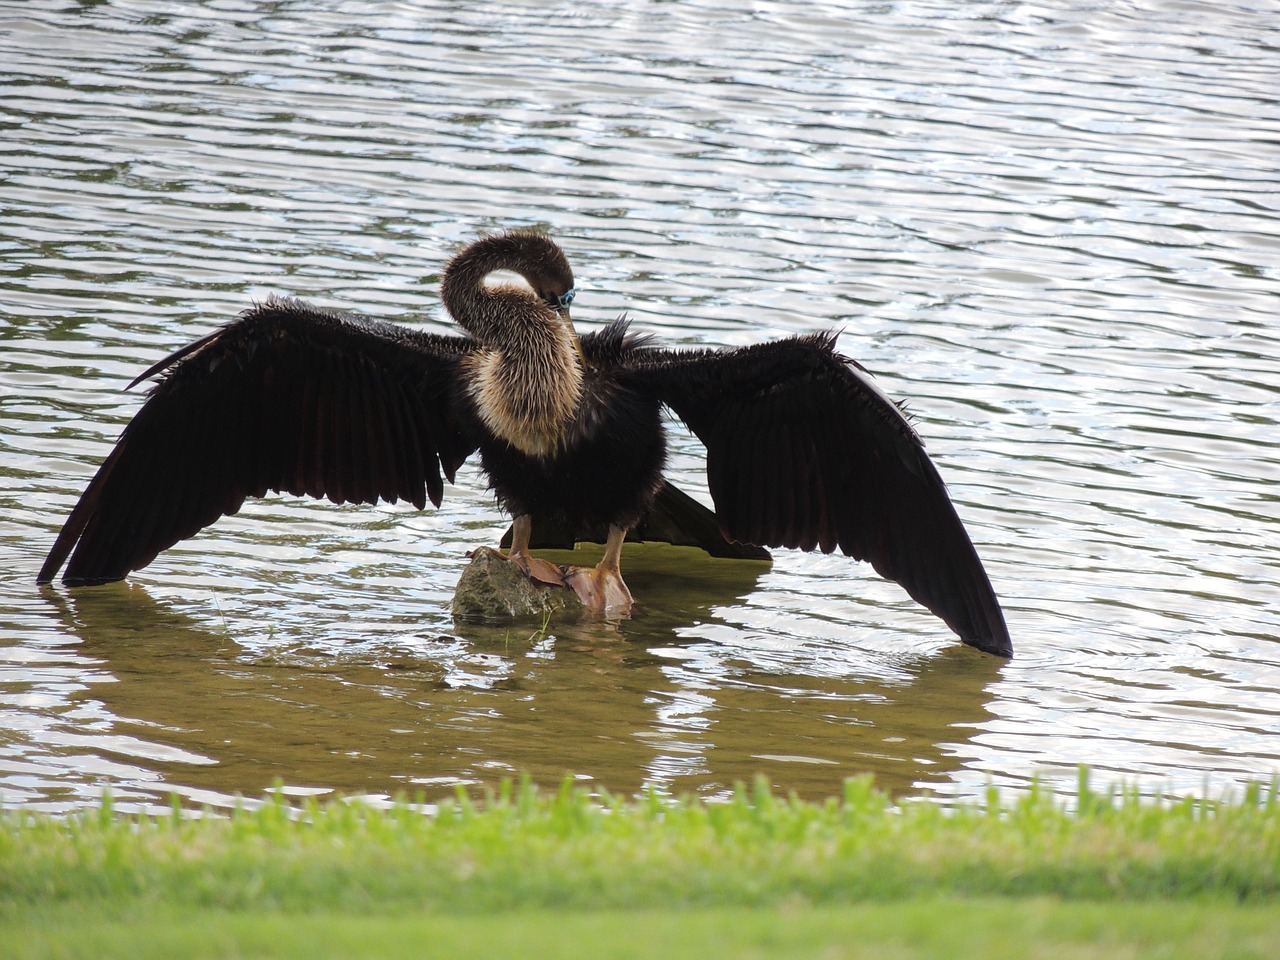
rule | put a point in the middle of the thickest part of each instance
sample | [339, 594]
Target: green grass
[983, 928]
[566, 875]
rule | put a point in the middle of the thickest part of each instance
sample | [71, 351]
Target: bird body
[803, 450]
[608, 464]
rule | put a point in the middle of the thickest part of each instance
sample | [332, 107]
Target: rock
[493, 588]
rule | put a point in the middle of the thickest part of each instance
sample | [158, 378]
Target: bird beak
[577, 343]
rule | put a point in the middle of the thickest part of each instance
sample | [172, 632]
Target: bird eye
[566, 298]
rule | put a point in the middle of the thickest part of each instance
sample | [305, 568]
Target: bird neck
[529, 394]
[527, 380]
[501, 314]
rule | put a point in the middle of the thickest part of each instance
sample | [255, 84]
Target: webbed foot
[600, 589]
[541, 571]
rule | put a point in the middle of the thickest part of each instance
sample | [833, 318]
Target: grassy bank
[757, 872]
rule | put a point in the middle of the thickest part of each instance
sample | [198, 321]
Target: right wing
[804, 450]
[288, 397]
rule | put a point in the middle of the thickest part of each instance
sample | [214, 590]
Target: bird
[803, 449]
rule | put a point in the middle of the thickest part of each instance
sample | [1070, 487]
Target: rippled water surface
[1054, 228]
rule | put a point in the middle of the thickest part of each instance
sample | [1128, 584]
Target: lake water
[1053, 228]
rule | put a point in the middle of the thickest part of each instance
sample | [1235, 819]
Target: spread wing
[803, 450]
[289, 398]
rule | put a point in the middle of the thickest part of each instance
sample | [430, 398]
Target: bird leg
[542, 571]
[601, 588]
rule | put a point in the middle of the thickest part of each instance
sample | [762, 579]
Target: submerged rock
[492, 588]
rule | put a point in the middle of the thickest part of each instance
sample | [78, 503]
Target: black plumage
[803, 450]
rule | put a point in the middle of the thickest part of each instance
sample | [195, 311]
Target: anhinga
[803, 450]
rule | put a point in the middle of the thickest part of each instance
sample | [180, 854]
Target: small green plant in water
[536, 637]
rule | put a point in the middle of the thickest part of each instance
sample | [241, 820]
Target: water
[1052, 228]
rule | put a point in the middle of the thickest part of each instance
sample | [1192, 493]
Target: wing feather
[380, 443]
[360, 434]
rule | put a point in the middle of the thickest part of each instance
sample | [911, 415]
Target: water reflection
[616, 704]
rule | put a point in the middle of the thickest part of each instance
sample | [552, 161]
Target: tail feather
[674, 518]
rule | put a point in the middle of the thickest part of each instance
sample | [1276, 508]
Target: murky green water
[1052, 228]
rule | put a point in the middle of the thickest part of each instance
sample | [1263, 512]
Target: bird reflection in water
[183, 705]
